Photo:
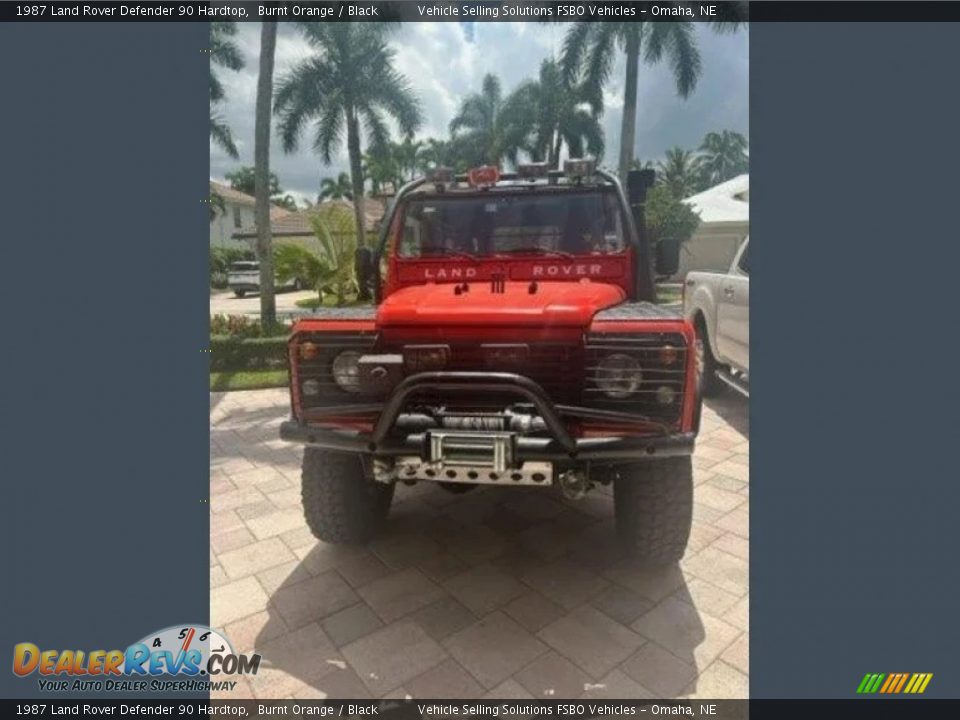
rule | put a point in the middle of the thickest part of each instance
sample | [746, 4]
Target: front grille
[553, 366]
[319, 370]
[658, 379]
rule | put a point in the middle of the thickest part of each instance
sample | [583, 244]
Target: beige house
[237, 214]
[724, 213]
[294, 227]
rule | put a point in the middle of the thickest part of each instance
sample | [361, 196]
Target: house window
[237, 220]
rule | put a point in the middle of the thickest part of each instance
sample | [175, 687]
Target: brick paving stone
[616, 686]
[247, 634]
[350, 624]
[736, 521]
[739, 614]
[694, 637]
[393, 655]
[283, 575]
[443, 618]
[733, 544]
[706, 597]
[724, 570]
[484, 588]
[566, 583]
[737, 654]
[591, 640]
[362, 570]
[534, 611]
[658, 669]
[400, 593]
[303, 656]
[508, 690]
[276, 522]
[236, 600]
[254, 557]
[720, 680]
[621, 604]
[494, 648]
[313, 599]
[552, 676]
[446, 680]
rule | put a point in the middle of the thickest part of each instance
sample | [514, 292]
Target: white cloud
[443, 66]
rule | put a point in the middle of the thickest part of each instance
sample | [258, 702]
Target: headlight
[619, 375]
[346, 371]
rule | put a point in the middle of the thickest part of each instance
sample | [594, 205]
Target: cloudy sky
[445, 61]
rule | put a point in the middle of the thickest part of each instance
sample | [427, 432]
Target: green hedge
[238, 353]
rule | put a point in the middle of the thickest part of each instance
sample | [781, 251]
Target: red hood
[553, 304]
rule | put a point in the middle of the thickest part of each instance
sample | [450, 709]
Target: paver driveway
[497, 593]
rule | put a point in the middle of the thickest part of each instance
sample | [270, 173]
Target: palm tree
[261, 164]
[338, 189]
[348, 87]
[681, 172]
[406, 154]
[590, 47]
[225, 53]
[559, 112]
[440, 153]
[489, 128]
[724, 156]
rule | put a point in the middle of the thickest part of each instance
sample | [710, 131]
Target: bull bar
[561, 446]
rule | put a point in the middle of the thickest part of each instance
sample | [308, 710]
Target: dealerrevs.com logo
[182, 658]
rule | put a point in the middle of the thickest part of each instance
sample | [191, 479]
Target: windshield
[241, 266]
[562, 223]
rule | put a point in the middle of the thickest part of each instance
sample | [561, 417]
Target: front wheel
[653, 502]
[239, 293]
[341, 504]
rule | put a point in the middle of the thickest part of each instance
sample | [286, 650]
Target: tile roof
[298, 223]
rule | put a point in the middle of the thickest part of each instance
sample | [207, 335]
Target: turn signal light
[668, 355]
[309, 351]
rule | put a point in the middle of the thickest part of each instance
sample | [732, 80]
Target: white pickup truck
[719, 306]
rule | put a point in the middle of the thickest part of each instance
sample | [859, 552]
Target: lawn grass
[247, 380]
[669, 294]
[312, 303]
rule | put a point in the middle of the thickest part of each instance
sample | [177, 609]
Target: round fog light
[665, 395]
[311, 388]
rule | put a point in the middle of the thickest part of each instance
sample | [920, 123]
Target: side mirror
[667, 261]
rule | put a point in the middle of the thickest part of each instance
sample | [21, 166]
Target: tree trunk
[555, 158]
[356, 176]
[628, 128]
[261, 161]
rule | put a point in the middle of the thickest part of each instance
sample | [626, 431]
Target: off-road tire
[653, 502]
[341, 504]
[239, 293]
[710, 384]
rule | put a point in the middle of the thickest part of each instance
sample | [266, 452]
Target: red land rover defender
[515, 342]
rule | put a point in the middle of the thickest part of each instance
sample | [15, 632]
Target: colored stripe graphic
[894, 683]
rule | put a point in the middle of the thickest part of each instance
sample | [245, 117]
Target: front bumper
[558, 446]
[610, 449]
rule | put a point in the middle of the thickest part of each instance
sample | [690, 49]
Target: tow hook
[574, 484]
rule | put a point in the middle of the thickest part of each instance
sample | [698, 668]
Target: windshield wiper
[536, 250]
